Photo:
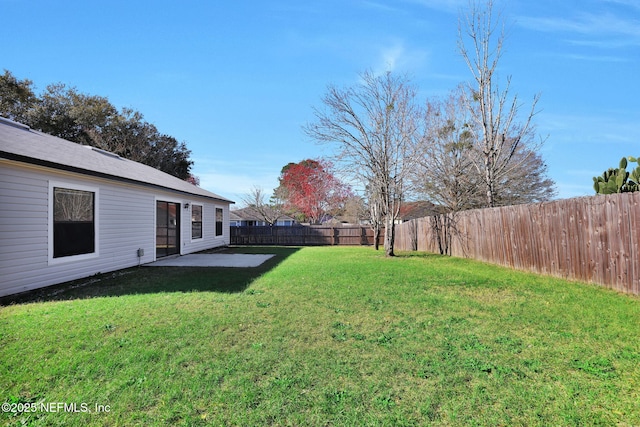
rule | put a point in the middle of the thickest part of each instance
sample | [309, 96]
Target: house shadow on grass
[144, 280]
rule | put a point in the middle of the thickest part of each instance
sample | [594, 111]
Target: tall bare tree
[502, 131]
[445, 172]
[377, 213]
[528, 183]
[449, 150]
[355, 210]
[447, 177]
[375, 127]
[270, 211]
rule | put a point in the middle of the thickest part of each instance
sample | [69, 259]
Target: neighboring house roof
[419, 209]
[19, 142]
[251, 214]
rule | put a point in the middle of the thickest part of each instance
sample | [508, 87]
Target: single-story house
[250, 217]
[69, 211]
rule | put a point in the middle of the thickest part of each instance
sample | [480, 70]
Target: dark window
[218, 222]
[196, 222]
[73, 222]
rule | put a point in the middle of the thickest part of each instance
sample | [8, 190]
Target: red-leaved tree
[310, 189]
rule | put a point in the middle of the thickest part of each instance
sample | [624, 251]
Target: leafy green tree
[68, 114]
[16, 97]
[92, 120]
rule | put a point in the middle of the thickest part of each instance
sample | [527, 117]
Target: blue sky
[236, 80]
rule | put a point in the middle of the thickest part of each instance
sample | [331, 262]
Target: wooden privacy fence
[593, 239]
[302, 235]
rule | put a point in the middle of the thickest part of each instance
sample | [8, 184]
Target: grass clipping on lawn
[324, 336]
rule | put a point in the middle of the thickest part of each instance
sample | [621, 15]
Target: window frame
[96, 222]
[196, 222]
[221, 222]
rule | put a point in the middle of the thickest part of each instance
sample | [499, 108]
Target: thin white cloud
[234, 179]
[583, 173]
[597, 58]
[451, 6]
[631, 3]
[607, 29]
[395, 56]
[608, 127]
[235, 186]
[568, 191]
[392, 55]
[379, 5]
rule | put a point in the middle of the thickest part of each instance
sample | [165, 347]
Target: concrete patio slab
[213, 260]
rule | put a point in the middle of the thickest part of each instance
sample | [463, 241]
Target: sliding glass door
[167, 229]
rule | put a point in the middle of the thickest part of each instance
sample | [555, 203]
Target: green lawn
[325, 336]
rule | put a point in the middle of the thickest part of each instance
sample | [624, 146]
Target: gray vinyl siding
[23, 228]
[209, 238]
[125, 215]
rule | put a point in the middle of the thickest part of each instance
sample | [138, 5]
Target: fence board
[593, 239]
[634, 224]
[303, 235]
